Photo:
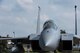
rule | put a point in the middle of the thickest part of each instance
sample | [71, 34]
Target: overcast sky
[20, 16]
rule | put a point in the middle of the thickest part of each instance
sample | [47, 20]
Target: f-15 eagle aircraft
[48, 40]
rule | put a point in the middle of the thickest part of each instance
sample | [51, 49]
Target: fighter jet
[47, 40]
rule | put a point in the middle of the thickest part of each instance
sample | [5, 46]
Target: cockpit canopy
[49, 24]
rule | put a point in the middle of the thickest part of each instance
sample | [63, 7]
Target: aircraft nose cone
[49, 39]
[48, 43]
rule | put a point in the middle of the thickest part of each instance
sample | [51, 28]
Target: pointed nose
[50, 44]
[49, 40]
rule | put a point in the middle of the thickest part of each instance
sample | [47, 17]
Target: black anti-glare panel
[67, 45]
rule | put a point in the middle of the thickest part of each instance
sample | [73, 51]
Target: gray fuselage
[50, 36]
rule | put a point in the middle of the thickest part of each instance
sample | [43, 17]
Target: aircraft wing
[17, 38]
[13, 38]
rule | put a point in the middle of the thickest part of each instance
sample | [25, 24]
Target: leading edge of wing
[14, 38]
